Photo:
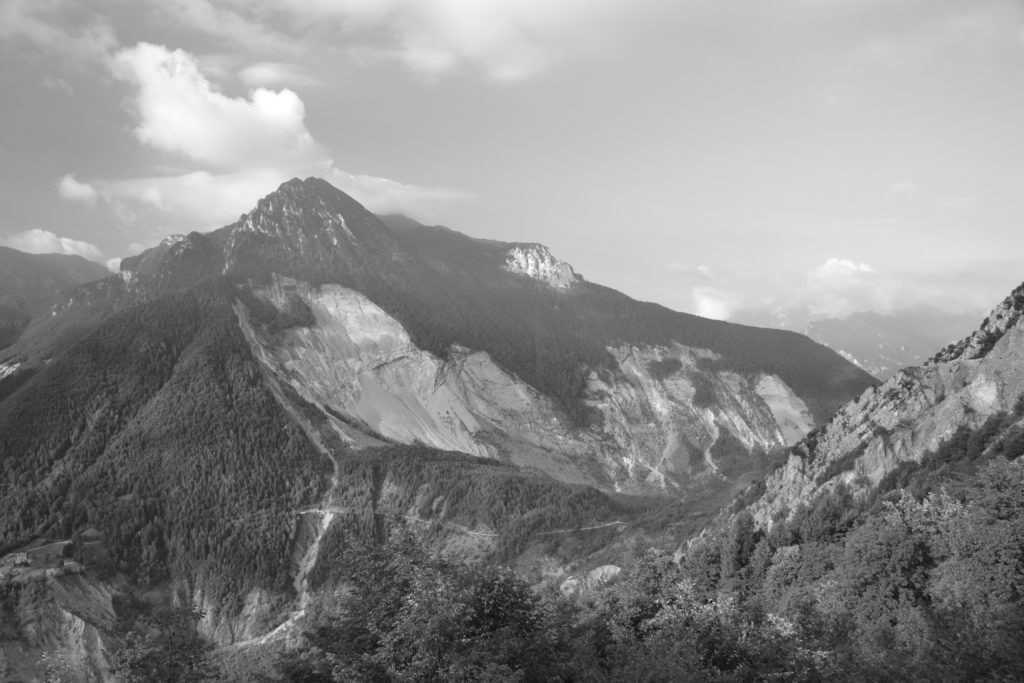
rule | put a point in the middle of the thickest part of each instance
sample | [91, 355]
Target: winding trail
[451, 525]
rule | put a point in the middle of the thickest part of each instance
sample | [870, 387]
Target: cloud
[505, 40]
[841, 286]
[714, 303]
[239, 148]
[37, 22]
[833, 289]
[275, 74]
[74, 191]
[260, 33]
[38, 241]
[181, 111]
[838, 270]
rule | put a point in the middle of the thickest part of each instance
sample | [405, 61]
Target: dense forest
[158, 429]
[490, 510]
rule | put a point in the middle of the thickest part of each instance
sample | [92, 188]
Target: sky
[738, 159]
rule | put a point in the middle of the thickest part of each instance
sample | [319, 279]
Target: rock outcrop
[537, 262]
[910, 414]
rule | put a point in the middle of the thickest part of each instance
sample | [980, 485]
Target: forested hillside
[921, 580]
[157, 429]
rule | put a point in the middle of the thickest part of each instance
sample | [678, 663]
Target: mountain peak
[308, 227]
[310, 185]
[310, 209]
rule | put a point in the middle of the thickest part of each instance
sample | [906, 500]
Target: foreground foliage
[417, 618]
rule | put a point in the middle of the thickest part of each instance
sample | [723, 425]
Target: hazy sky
[714, 156]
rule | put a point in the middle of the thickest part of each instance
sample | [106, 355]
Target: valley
[249, 416]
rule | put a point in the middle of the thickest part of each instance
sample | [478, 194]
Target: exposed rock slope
[666, 418]
[911, 413]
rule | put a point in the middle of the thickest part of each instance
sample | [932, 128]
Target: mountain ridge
[31, 283]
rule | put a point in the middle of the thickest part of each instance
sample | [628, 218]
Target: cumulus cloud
[74, 191]
[839, 270]
[709, 302]
[841, 286]
[240, 148]
[38, 241]
[180, 111]
[835, 288]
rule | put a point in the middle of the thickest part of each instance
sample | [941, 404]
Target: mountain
[31, 283]
[884, 343]
[424, 335]
[231, 408]
[880, 343]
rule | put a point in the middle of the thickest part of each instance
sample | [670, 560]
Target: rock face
[666, 420]
[536, 261]
[911, 413]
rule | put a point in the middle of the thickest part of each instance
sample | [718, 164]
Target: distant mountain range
[879, 343]
[31, 283]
